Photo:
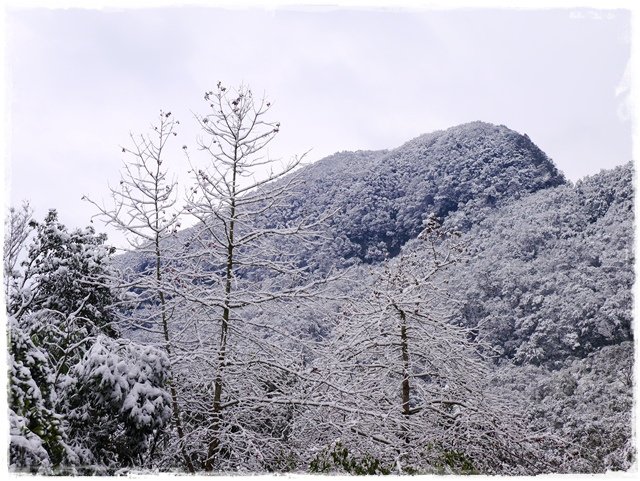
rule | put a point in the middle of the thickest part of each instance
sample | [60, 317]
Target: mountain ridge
[383, 197]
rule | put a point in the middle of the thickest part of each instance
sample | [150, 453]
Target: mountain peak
[459, 174]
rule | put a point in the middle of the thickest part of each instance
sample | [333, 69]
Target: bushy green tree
[37, 435]
[115, 402]
[69, 272]
[63, 358]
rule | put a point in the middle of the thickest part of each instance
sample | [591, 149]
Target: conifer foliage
[64, 352]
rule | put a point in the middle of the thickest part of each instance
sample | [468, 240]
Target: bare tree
[242, 260]
[144, 208]
[402, 385]
[18, 225]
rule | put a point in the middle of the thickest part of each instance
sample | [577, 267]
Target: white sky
[78, 81]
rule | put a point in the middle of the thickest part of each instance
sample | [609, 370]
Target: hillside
[536, 243]
[379, 200]
[551, 274]
[550, 264]
[544, 292]
[382, 198]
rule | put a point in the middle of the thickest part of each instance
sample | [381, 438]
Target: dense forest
[453, 305]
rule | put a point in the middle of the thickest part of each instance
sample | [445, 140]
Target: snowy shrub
[117, 400]
[37, 436]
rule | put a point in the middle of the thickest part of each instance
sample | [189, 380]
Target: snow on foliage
[382, 198]
[548, 281]
[588, 402]
[410, 389]
[80, 401]
[553, 272]
[37, 436]
[66, 272]
[120, 386]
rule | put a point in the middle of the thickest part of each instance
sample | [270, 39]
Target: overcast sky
[340, 79]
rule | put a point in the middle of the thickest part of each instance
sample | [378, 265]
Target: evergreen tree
[78, 397]
[37, 434]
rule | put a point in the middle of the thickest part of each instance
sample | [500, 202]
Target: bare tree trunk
[214, 444]
[404, 343]
[175, 407]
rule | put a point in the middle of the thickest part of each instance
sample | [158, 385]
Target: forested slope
[550, 276]
[381, 199]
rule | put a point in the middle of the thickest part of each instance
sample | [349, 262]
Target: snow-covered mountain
[548, 278]
[382, 198]
[378, 200]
